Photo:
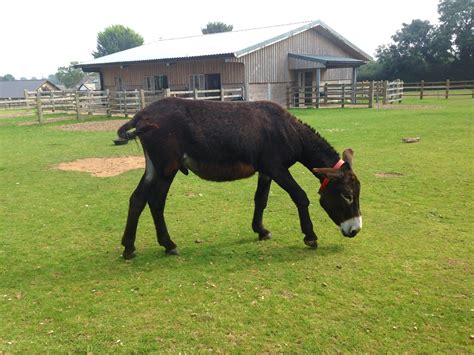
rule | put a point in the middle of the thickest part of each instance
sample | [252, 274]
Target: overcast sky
[37, 37]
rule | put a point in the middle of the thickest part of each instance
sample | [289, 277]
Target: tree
[7, 77]
[216, 27]
[70, 76]
[116, 38]
[457, 26]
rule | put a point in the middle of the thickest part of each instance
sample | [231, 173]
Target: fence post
[326, 93]
[38, 106]
[222, 94]
[51, 99]
[167, 92]
[125, 100]
[88, 98]
[142, 99]
[78, 105]
[26, 100]
[371, 94]
[422, 87]
[195, 94]
[385, 92]
[107, 103]
[343, 95]
[447, 89]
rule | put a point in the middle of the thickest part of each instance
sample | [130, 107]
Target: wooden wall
[270, 64]
[133, 75]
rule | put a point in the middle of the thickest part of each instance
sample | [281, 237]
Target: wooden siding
[270, 64]
[133, 75]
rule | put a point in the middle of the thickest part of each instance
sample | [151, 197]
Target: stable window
[197, 81]
[156, 83]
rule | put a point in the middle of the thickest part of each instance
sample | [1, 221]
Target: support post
[38, 106]
[447, 89]
[385, 92]
[125, 106]
[422, 88]
[354, 85]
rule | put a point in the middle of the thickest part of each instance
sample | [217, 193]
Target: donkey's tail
[123, 133]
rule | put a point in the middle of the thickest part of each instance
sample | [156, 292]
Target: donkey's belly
[218, 172]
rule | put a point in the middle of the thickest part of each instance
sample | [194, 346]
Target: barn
[264, 62]
[16, 89]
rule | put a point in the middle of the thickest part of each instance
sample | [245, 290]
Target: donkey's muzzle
[351, 227]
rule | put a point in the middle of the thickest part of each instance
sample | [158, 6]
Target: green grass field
[404, 284]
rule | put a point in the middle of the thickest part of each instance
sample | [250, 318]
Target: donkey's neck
[316, 152]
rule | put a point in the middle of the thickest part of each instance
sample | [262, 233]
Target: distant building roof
[233, 44]
[16, 88]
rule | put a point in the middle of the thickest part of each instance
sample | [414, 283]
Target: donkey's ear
[347, 156]
[329, 173]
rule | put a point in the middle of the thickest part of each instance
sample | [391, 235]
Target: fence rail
[439, 89]
[362, 93]
[107, 102]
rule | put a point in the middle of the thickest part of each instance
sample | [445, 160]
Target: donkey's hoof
[172, 252]
[128, 255]
[313, 244]
[266, 236]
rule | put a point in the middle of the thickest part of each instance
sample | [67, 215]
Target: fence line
[363, 93]
[439, 89]
[107, 102]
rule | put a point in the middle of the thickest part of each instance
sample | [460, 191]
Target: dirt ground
[104, 167]
[110, 125]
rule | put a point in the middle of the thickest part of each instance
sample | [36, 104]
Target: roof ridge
[238, 30]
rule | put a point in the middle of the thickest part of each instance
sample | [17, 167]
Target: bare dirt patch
[48, 120]
[388, 175]
[110, 125]
[104, 167]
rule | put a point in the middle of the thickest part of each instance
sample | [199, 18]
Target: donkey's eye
[348, 198]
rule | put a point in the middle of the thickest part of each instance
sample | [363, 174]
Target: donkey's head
[339, 192]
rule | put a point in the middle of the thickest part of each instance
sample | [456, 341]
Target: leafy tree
[70, 76]
[7, 77]
[457, 26]
[116, 38]
[53, 78]
[216, 27]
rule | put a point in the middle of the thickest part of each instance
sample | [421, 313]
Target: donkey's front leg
[261, 198]
[288, 183]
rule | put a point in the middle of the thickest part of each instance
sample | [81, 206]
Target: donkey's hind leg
[137, 203]
[261, 198]
[157, 201]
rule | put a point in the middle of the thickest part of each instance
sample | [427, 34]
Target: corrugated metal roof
[232, 44]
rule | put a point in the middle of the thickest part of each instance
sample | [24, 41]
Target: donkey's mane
[316, 139]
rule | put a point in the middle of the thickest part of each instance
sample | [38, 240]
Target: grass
[404, 284]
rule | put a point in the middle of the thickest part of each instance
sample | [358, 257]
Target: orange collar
[325, 182]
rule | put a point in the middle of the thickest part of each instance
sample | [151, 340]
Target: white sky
[37, 37]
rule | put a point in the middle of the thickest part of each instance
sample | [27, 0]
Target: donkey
[224, 141]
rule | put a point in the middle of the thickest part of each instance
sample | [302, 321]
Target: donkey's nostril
[353, 233]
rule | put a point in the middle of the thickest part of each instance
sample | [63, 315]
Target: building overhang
[313, 61]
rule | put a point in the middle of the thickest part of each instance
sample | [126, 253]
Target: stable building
[264, 62]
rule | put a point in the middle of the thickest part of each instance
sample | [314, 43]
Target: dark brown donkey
[223, 141]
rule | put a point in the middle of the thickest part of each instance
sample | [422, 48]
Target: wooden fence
[440, 89]
[341, 94]
[109, 103]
